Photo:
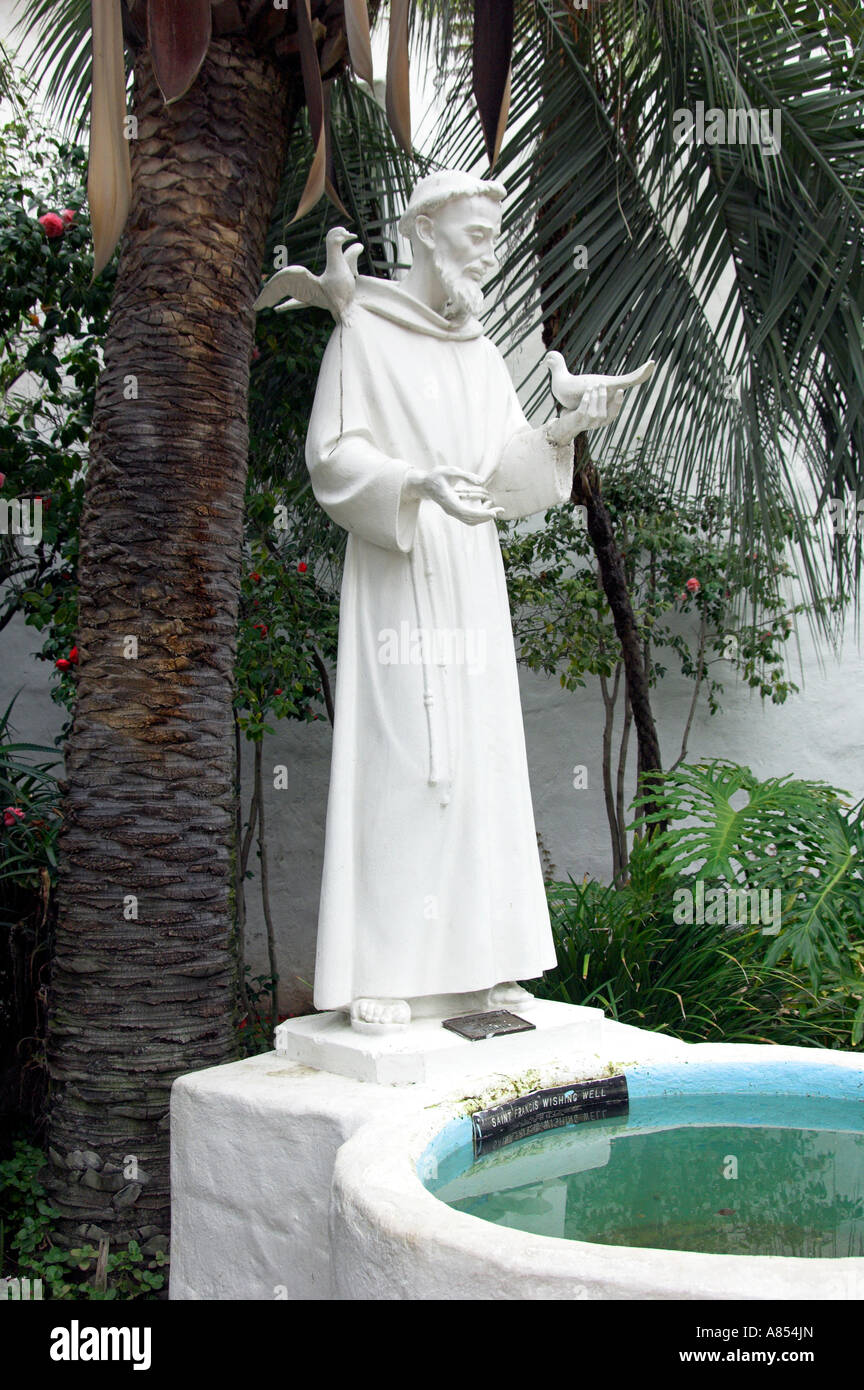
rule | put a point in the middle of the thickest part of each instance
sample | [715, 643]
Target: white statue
[417, 442]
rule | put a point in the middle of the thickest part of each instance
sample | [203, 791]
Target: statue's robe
[432, 881]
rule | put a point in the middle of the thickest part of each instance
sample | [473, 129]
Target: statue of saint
[432, 882]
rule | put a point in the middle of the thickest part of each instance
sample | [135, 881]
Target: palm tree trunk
[145, 977]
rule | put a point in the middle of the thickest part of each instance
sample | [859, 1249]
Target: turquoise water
[727, 1174]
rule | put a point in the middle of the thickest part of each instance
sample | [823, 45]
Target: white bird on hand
[570, 390]
[333, 289]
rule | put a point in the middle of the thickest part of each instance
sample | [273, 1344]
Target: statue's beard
[464, 295]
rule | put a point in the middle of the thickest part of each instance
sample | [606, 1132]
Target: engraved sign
[475, 1027]
[551, 1109]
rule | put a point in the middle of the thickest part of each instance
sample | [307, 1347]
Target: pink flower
[11, 814]
[52, 225]
[2, 479]
[693, 586]
[68, 215]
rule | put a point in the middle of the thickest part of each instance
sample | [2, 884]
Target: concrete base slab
[425, 1053]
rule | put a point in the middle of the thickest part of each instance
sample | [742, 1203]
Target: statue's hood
[387, 299]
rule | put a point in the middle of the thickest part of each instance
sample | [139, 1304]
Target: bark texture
[145, 980]
[610, 562]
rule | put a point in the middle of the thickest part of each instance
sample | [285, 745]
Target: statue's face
[460, 239]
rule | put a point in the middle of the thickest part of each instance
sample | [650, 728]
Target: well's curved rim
[379, 1191]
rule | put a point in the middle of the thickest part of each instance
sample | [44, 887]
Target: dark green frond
[739, 268]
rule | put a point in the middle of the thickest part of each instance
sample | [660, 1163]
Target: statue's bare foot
[509, 996]
[380, 1015]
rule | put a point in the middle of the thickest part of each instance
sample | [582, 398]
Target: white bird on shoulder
[570, 390]
[333, 289]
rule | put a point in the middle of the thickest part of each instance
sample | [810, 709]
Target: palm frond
[63, 60]
[7, 84]
[739, 269]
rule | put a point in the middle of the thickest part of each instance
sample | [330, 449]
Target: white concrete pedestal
[253, 1145]
[427, 1054]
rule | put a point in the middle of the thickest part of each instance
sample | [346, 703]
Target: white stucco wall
[816, 734]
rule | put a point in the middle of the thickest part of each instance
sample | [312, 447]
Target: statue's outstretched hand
[590, 399]
[458, 493]
[596, 408]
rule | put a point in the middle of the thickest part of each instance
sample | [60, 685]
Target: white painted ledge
[253, 1146]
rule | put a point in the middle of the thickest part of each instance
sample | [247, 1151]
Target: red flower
[62, 664]
[73, 656]
[256, 353]
[11, 814]
[693, 586]
[52, 225]
[262, 628]
[68, 215]
[255, 576]
[278, 690]
[45, 501]
[302, 567]
[2, 479]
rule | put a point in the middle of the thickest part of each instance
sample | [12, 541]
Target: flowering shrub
[52, 319]
[30, 826]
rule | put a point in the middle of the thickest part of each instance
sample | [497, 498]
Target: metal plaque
[551, 1109]
[475, 1027]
